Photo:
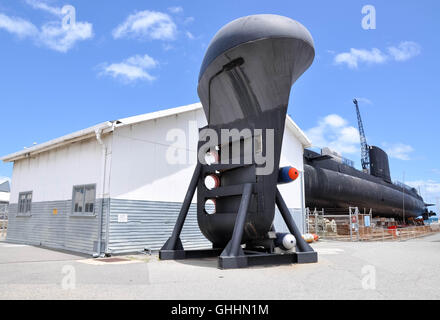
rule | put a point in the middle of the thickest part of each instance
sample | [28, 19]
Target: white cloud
[398, 150]
[335, 121]
[37, 4]
[57, 36]
[167, 46]
[430, 189]
[147, 25]
[189, 20]
[61, 39]
[334, 132]
[404, 51]
[175, 9]
[17, 26]
[356, 56]
[190, 35]
[52, 34]
[132, 69]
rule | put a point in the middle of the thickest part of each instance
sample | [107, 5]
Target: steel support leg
[232, 255]
[174, 242]
[285, 213]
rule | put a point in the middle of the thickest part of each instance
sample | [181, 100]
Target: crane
[365, 157]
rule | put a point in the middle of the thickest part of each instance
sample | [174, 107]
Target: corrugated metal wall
[297, 215]
[149, 225]
[59, 231]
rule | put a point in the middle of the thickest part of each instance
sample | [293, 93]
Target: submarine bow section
[244, 84]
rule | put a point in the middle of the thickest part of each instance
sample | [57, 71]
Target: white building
[111, 188]
[4, 192]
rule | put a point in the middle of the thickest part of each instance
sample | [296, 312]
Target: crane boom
[365, 157]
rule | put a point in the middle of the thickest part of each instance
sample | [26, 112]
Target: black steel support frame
[173, 248]
[233, 256]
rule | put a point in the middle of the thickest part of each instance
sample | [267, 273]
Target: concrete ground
[380, 270]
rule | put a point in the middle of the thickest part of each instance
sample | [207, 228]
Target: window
[24, 203]
[83, 200]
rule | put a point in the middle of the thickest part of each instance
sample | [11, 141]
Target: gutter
[299, 133]
[58, 142]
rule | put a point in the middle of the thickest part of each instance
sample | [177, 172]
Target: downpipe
[98, 133]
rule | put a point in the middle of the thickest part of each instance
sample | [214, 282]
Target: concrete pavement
[369, 270]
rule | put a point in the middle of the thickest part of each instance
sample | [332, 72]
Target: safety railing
[356, 226]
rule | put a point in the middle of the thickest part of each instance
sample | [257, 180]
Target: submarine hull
[325, 188]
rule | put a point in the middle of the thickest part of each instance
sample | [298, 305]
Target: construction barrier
[355, 226]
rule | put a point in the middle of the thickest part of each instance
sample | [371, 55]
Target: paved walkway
[346, 270]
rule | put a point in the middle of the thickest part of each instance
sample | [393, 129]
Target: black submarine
[330, 182]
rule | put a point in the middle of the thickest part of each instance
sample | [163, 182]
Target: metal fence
[357, 226]
[3, 220]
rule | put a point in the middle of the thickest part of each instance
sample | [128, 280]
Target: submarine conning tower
[244, 86]
[379, 164]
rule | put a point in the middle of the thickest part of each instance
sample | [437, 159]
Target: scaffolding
[352, 225]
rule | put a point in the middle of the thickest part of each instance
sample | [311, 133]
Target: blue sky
[124, 58]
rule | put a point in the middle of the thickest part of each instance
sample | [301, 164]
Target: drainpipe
[107, 222]
[98, 133]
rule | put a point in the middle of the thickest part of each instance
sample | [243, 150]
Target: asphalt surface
[380, 270]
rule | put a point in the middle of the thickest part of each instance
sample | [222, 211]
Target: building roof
[108, 126]
[5, 187]
[297, 132]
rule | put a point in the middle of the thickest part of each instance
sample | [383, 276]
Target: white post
[316, 221]
[350, 225]
[306, 223]
[357, 222]
[303, 200]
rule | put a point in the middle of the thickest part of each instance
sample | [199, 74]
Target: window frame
[83, 213]
[26, 212]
